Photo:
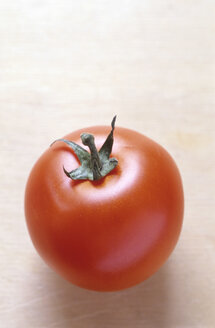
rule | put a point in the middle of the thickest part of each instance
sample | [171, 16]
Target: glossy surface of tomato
[113, 233]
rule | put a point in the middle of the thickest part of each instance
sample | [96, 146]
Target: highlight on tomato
[104, 207]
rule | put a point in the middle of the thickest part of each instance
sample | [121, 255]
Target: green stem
[94, 165]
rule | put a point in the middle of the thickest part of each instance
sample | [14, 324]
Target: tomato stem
[94, 165]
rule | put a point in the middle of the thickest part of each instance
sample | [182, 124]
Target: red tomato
[113, 233]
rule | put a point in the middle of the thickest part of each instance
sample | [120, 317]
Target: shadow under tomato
[146, 304]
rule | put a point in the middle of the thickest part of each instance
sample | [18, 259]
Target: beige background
[67, 64]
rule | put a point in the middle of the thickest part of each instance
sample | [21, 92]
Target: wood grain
[69, 64]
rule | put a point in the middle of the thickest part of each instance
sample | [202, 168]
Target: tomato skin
[113, 233]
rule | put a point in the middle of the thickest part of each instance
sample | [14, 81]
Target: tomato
[110, 233]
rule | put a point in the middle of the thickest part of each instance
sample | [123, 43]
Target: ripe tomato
[111, 233]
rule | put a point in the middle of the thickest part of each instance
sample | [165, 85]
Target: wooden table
[69, 64]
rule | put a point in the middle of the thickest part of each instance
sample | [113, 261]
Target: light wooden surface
[69, 64]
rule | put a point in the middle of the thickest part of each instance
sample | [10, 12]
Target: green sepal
[85, 171]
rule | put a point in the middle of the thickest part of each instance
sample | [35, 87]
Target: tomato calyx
[96, 164]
